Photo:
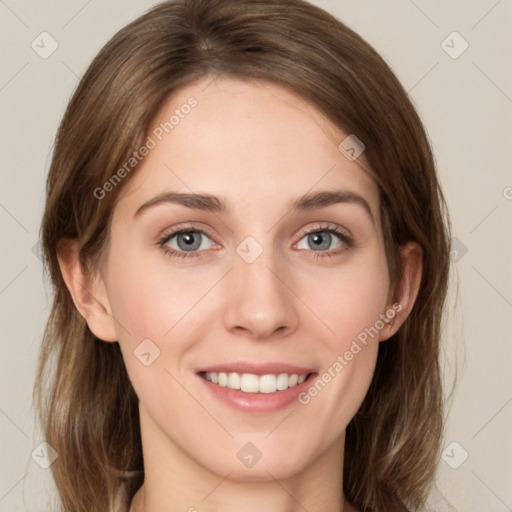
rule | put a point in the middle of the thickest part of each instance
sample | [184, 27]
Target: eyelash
[318, 254]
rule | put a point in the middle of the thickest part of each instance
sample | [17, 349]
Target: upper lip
[256, 368]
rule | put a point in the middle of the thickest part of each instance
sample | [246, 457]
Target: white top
[130, 482]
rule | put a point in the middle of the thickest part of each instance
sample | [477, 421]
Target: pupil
[320, 240]
[187, 241]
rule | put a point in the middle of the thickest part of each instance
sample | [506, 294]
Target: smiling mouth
[252, 383]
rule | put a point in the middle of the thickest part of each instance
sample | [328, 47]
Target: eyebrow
[211, 203]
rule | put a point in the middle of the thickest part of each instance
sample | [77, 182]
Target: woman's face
[270, 278]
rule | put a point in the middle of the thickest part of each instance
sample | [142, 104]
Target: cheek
[149, 300]
[350, 298]
[166, 307]
[350, 303]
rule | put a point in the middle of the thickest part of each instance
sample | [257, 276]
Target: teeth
[251, 383]
[234, 381]
[268, 384]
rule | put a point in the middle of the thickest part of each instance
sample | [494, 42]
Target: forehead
[249, 142]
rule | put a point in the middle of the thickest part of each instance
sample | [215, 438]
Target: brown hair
[86, 404]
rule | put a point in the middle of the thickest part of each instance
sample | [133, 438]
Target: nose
[261, 303]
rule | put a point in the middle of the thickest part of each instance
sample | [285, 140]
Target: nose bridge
[259, 302]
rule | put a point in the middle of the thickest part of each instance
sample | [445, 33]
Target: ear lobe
[406, 291]
[87, 291]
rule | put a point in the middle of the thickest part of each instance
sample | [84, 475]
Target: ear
[87, 290]
[406, 291]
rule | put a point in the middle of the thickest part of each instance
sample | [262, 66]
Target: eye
[185, 242]
[330, 240]
[188, 242]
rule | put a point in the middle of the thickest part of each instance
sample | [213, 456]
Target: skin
[260, 147]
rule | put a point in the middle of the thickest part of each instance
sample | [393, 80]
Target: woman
[249, 251]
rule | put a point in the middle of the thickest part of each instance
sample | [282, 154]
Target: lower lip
[258, 402]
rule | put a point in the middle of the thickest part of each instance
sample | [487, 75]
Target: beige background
[466, 104]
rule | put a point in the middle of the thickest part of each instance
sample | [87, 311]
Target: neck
[175, 482]
[235, 497]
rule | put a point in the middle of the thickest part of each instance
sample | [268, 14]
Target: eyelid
[183, 228]
[327, 226]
